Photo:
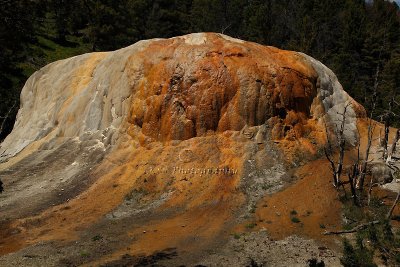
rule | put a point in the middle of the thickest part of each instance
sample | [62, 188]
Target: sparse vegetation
[293, 217]
[396, 175]
[253, 263]
[267, 186]
[84, 254]
[97, 238]
[295, 220]
[135, 194]
[236, 236]
[365, 215]
[315, 263]
[253, 208]
[251, 225]
[374, 240]
[356, 256]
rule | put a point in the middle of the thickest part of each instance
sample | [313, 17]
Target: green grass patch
[85, 254]
[251, 225]
[236, 236]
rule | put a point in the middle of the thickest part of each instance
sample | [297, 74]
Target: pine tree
[257, 21]
[167, 18]
[17, 31]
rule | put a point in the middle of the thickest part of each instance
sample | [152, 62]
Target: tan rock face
[188, 128]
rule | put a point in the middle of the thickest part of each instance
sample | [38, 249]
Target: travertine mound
[168, 143]
[175, 89]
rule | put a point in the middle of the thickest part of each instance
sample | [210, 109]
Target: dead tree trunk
[341, 143]
[5, 117]
[393, 147]
[371, 185]
[389, 215]
[371, 126]
[387, 116]
[355, 229]
[328, 157]
[355, 172]
[386, 137]
[352, 180]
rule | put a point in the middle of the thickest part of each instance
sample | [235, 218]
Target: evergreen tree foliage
[358, 255]
[16, 32]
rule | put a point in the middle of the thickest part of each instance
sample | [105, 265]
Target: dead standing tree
[392, 149]
[389, 215]
[387, 154]
[337, 168]
[371, 127]
[354, 173]
[387, 118]
[389, 114]
[6, 117]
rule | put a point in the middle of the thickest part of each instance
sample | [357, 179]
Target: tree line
[352, 37]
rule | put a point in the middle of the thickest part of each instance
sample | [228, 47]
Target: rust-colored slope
[175, 137]
[150, 170]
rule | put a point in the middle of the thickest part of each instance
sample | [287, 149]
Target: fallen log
[355, 229]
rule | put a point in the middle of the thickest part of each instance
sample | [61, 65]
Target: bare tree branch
[371, 127]
[371, 185]
[387, 116]
[328, 153]
[341, 143]
[393, 147]
[355, 229]
[352, 175]
[389, 215]
[5, 117]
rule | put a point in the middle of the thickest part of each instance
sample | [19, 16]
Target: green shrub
[397, 257]
[250, 225]
[85, 254]
[236, 236]
[356, 256]
[388, 235]
[349, 256]
[253, 208]
[295, 219]
[97, 238]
